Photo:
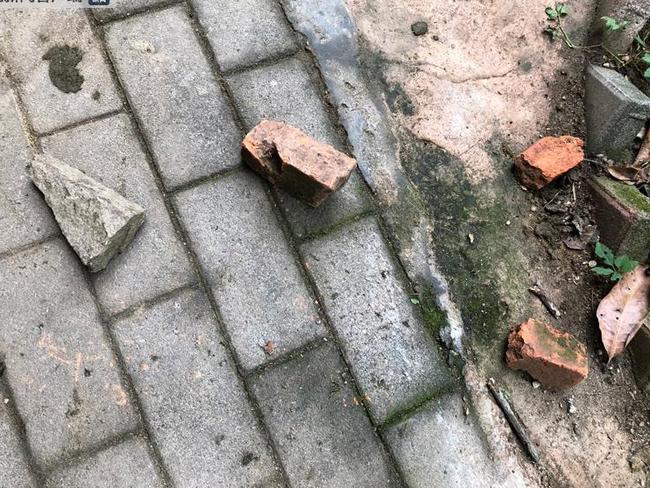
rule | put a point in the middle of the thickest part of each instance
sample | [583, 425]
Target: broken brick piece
[548, 159]
[554, 358]
[293, 161]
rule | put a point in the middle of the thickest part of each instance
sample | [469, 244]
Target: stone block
[394, 359]
[623, 217]
[198, 411]
[323, 435]
[125, 465]
[255, 279]
[183, 113]
[156, 262]
[59, 66]
[244, 32]
[24, 216]
[97, 221]
[616, 112]
[66, 382]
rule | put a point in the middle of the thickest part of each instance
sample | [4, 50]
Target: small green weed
[614, 24]
[612, 266]
[554, 29]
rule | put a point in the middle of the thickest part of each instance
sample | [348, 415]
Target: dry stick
[540, 293]
[644, 151]
[514, 421]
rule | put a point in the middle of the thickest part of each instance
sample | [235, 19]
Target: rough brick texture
[24, 216]
[34, 32]
[295, 162]
[125, 465]
[245, 31]
[548, 159]
[554, 358]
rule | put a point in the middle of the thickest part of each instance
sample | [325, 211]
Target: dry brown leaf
[623, 173]
[622, 311]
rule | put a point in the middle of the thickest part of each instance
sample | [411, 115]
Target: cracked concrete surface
[482, 69]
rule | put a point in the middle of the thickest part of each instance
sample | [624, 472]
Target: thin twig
[540, 293]
[514, 420]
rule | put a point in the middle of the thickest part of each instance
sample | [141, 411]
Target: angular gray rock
[97, 222]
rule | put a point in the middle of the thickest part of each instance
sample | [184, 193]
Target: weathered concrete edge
[331, 34]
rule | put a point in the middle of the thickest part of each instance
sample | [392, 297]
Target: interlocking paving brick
[394, 359]
[322, 433]
[65, 380]
[155, 262]
[14, 472]
[125, 7]
[256, 282]
[283, 91]
[181, 107]
[184, 379]
[348, 202]
[26, 36]
[24, 217]
[127, 465]
[440, 446]
[244, 32]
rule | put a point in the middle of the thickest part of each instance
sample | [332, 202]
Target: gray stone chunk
[66, 383]
[244, 32]
[34, 33]
[440, 446]
[126, 465]
[24, 216]
[393, 358]
[322, 433]
[156, 261]
[261, 293]
[97, 222]
[616, 112]
[285, 92]
[184, 379]
[183, 112]
[14, 472]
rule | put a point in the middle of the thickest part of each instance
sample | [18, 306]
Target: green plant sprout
[612, 266]
[614, 24]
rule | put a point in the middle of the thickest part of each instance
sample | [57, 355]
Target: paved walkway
[243, 340]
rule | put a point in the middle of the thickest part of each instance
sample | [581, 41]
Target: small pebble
[536, 384]
[419, 28]
[572, 408]
[508, 222]
[592, 264]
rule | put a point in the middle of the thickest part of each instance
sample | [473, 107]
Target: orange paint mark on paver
[121, 398]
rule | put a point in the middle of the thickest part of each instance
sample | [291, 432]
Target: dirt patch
[63, 70]
[467, 97]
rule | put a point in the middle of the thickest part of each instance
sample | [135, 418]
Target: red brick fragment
[548, 159]
[295, 162]
[554, 358]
